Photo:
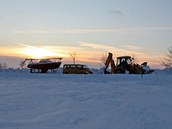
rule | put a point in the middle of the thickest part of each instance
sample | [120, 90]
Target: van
[76, 69]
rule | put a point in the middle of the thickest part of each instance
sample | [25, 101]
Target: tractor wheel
[120, 71]
[31, 70]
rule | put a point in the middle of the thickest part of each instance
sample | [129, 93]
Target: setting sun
[38, 52]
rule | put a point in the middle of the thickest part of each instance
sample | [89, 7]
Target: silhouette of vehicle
[76, 69]
[43, 65]
[125, 64]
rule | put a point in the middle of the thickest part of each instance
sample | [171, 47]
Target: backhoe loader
[125, 64]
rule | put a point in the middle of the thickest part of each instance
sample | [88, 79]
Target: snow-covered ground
[97, 101]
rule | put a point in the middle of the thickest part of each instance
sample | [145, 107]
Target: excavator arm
[109, 61]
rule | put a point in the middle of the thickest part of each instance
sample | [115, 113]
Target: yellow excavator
[125, 64]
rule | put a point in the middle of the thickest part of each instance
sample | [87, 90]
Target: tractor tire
[120, 71]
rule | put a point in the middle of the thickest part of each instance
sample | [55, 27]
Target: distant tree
[167, 61]
[3, 65]
[73, 55]
[103, 59]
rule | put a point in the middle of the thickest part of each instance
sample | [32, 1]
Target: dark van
[76, 69]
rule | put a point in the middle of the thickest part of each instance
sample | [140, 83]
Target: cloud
[157, 28]
[116, 12]
[81, 30]
[36, 32]
[126, 50]
[96, 46]
[141, 30]
[91, 30]
[108, 48]
[24, 45]
[149, 29]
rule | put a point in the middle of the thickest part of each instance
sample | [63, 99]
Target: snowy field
[57, 101]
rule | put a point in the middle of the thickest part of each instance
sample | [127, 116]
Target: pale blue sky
[141, 25]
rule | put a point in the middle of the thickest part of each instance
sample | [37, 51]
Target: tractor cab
[124, 62]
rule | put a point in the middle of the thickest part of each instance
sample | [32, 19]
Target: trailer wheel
[31, 70]
[44, 70]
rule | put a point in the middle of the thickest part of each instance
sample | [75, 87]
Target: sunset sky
[90, 28]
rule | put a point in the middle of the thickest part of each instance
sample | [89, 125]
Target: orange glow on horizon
[30, 52]
[89, 56]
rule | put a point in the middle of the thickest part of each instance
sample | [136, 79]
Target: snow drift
[57, 101]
